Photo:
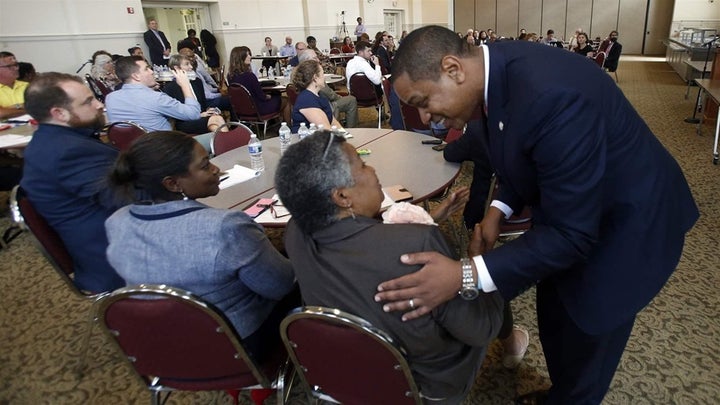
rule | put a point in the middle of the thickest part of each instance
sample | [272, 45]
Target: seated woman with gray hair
[340, 253]
[171, 238]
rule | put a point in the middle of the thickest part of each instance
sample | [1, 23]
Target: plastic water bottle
[320, 127]
[284, 134]
[288, 71]
[271, 73]
[303, 131]
[257, 162]
[312, 129]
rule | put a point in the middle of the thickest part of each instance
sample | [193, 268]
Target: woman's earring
[185, 198]
[352, 213]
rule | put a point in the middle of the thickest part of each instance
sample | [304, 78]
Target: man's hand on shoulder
[437, 282]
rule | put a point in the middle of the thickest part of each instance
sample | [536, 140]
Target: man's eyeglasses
[11, 66]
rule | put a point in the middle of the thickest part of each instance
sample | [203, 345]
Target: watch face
[469, 293]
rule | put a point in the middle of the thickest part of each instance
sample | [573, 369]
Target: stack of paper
[237, 175]
[14, 141]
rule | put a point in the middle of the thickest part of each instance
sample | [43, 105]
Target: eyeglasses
[327, 148]
[279, 211]
[11, 66]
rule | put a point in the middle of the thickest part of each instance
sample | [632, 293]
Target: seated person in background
[549, 39]
[573, 43]
[346, 104]
[613, 49]
[210, 118]
[270, 50]
[310, 107]
[300, 47]
[288, 49]
[65, 171]
[103, 69]
[26, 72]
[240, 72]
[136, 101]
[340, 252]
[348, 46]
[193, 41]
[12, 90]
[380, 48]
[210, 88]
[582, 46]
[365, 37]
[532, 37]
[136, 51]
[170, 238]
[327, 64]
[366, 63]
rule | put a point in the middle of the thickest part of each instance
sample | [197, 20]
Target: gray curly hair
[307, 174]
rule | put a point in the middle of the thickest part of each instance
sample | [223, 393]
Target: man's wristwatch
[469, 289]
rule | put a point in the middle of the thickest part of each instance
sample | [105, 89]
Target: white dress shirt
[358, 64]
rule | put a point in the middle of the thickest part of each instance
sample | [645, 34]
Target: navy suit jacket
[610, 205]
[64, 175]
[155, 48]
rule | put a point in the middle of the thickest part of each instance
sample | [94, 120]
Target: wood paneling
[530, 15]
[553, 17]
[464, 15]
[631, 25]
[485, 15]
[605, 17]
[507, 18]
[578, 16]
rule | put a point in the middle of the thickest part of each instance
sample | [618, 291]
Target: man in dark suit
[157, 43]
[610, 205]
[613, 49]
[65, 170]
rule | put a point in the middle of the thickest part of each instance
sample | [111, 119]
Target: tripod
[343, 27]
[693, 120]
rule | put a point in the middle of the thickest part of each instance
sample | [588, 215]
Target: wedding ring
[412, 303]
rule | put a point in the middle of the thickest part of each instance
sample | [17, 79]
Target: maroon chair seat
[174, 340]
[99, 89]
[347, 358]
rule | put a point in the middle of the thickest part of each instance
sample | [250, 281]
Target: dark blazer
[613, 57]
[472, 146]
[610, 205]
[385, 62]
[193, 127]
[340, 267]
[64, 174]
[155, 48]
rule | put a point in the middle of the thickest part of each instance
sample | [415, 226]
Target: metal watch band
[467, 274]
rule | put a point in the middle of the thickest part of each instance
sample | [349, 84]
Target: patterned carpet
[671, 358]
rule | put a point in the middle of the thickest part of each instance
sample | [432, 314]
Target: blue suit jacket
[64, 175]
[610, 205]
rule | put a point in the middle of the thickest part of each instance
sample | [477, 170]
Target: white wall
[59, 35]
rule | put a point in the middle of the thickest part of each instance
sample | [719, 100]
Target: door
[393, 22]
[657, 26]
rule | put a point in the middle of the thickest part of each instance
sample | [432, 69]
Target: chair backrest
[238, 135]
[292, 93]
[334, 51]
[175, 339]
[600, 59]
[364, 91]
[518, 223]
[98, 88]
[122, 133]
[243, 103]
[347, 357]
[46, 240]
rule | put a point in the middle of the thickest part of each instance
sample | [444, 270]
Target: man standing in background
[157, 43]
